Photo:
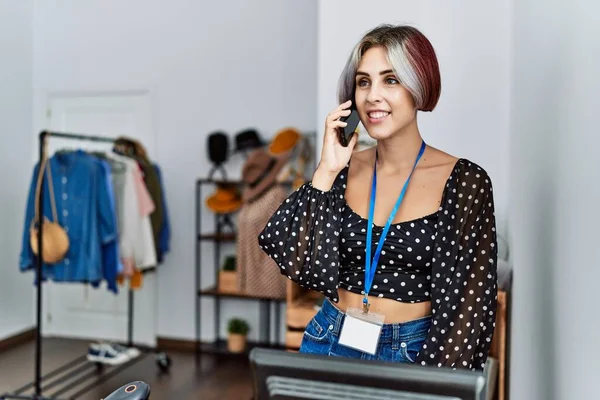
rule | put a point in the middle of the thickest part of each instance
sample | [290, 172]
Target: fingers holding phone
[346, 133]
[339, 140]
[334, 119]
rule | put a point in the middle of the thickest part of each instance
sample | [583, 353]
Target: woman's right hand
[334, 156]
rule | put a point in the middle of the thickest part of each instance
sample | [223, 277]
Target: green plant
[239, 326]
[229, 264]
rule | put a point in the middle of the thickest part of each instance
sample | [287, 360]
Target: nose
[374, 94]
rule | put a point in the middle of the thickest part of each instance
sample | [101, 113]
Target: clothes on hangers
[111, 264]
[256, 273]
[153, 185]
[134, 207]
[154, 195]
[106, 207]
[135, 150]
[82, 196]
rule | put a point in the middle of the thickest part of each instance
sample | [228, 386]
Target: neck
[399, 151]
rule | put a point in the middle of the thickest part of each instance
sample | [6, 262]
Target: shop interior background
[519, 94]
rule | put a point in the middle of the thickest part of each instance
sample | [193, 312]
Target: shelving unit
[216, 238]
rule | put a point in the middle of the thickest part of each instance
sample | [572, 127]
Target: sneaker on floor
[105, 354]
[131, 352]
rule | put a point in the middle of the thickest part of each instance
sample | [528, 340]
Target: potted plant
[238, 330]
[228, 281]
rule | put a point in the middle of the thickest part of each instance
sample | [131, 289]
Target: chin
[386, 130]
[382, 132]
[379, 134]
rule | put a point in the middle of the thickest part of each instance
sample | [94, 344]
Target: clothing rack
[77, 366]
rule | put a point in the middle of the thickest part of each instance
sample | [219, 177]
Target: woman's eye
[391, 81]
[363, 83]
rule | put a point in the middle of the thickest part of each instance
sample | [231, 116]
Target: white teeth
[378, 114]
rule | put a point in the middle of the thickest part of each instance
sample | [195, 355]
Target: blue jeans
[398, 343]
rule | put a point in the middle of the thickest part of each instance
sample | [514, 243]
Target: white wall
[471, 40]
[223, 65]
[16, 302]
[553, 200]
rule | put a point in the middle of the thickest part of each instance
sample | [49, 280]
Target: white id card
[361, 330]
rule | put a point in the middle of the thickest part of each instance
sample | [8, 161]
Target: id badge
[361, 330]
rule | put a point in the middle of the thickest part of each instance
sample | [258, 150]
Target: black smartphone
[345, 133]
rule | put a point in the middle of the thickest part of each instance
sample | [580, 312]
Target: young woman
[402, 231]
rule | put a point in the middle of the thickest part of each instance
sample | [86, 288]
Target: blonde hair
[412, 58]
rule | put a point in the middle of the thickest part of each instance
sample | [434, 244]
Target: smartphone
[345, 133]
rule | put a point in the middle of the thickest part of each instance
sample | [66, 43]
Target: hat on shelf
[284, 141]
[263, 167]
[225, 199]
[248, 139]
[218, 147]
[289, 143]
[260, 173]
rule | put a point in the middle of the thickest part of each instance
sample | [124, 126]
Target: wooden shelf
[223, 237]
[219, 181]
[220, 347]
[213, 291]
[236, 182]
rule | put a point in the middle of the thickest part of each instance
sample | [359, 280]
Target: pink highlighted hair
[412, 57]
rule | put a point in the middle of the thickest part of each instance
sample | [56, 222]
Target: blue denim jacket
[84, 210]
[164, 236]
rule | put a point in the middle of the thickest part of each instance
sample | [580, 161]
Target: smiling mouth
[378, 115]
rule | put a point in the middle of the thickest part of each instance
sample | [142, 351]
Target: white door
[77, 310]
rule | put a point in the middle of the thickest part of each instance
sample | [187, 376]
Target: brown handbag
[55, 242]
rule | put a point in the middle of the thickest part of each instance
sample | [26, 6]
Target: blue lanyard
[370, 267]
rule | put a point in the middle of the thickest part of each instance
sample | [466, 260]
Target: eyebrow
[387, 71]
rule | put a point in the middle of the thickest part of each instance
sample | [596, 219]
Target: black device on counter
[345, 133]
[282, 375]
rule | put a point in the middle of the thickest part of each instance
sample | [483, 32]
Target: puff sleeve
[303, 236]
[464, 275]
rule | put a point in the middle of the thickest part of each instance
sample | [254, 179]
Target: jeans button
[403, 344]
[330, 327]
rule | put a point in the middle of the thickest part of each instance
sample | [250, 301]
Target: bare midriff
[393, 310]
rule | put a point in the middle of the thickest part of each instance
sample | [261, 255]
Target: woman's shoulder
[469, 181]
[360, 165]
[363, 157]
[465, 178]
[467, 170]
[462, 168]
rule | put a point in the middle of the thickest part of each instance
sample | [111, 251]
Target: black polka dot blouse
[448, 258]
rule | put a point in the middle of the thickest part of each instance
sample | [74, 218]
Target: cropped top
[403, 272]
[448, 258]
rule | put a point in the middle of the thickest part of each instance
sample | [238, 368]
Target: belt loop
[338, 322]
[395, 337]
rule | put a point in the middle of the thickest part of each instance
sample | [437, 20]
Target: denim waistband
[390, 333]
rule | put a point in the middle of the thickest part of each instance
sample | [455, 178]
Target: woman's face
[384, 105]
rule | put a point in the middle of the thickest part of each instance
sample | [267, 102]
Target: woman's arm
[302, 236]
[464, 275]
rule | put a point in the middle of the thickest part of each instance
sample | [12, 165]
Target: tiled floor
[212, 377]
